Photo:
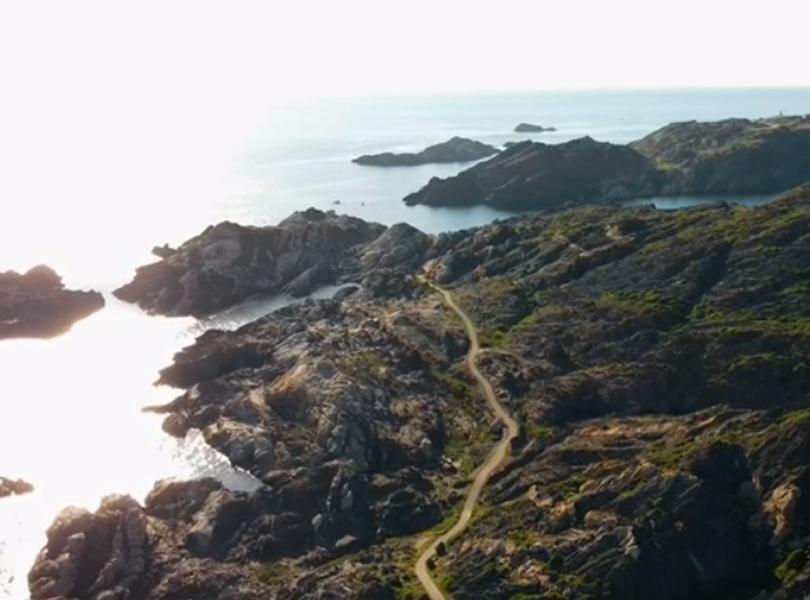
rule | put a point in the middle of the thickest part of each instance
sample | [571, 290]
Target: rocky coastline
[35, 304]
[455, 150]
[729, 157]
[656, 363]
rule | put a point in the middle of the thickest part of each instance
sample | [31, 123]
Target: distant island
[455, 150]
[729, 157]
[530, 128]
[655, 363]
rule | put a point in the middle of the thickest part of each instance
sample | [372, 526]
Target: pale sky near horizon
[309, 48]
[86, 87]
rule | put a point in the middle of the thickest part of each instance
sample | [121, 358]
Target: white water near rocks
[70, 419]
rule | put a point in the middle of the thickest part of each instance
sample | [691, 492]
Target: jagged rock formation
[227, 263]
[455, 150]
[36, 304]
[657, 364]
[97, 556]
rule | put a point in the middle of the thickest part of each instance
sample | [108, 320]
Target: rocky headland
[228, 263]
[657, 363]
[35, 304]
[14, 487]
[531, 128]
[531, 175]
[455, 150]
[729, 157]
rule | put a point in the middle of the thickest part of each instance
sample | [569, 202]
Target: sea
[70, 419]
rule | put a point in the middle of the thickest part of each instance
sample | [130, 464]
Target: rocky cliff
[36, 304]
[532, 176]
[657, 363]
[733, 156]
[730, 157]
[228, 262]
[455, 150]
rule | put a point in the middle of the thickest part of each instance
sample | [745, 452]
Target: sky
[92, 94]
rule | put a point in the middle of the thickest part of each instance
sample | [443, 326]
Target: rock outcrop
[656, 362]
[532, 176]
[228, 262]
[455, 150]
[36, 304]
[10, 487]
[731, 157]
[530, 128]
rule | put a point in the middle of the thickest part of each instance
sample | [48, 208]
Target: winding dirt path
[493, 461]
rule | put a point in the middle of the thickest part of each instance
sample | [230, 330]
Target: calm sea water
[69, 407]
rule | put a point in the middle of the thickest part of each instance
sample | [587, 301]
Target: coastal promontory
[531, 175]
[730, 157]
[229, 262]
[657, 365]
[455, 150]
[36, 304]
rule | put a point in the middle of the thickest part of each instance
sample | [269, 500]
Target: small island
[455, 150]
[12, 487]
[530, 128]
[37, 305]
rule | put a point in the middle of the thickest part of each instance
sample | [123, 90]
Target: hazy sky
[280, 49]
[103, 103]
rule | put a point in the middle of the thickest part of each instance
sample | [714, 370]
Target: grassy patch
[640, 303]
[522, 538]
[569, 487]
[792, 565]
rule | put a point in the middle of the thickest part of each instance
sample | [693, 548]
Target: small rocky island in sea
[455, 150]
[730, 157]
[36, 304]
[530, 128]
[657, 363]
[14, 487]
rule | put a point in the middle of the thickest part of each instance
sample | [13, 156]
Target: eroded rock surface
[657, 364]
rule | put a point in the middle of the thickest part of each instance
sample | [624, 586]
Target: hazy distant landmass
[455, 150]
[530, 128]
